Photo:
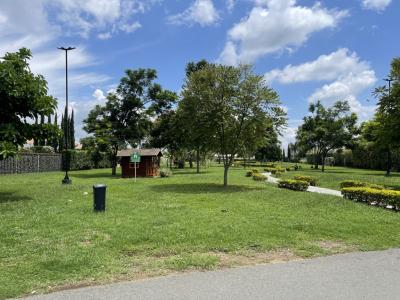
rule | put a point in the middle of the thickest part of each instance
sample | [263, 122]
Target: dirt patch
[253, 258]
[334, 246]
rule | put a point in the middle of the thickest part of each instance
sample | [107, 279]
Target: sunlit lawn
[49, 235]
[332, 176]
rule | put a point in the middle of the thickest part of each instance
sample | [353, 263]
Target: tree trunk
[389, 162]
[226, 168]
[323, 163]
[198, 160]
[114, 167]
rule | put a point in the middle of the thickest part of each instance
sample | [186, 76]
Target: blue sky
[308, 50]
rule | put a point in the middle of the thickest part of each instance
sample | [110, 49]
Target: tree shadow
[96, 175]
[12, 197]
[202, 188]
[176, 172]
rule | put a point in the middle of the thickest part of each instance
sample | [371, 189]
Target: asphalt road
[368, 275]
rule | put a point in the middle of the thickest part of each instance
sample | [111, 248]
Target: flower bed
[296, 185]
[380, 197]
[311, 180]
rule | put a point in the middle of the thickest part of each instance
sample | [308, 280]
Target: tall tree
[24, 97]
[327, 129]
[388, 113]
[71, 128]
[238, 107]
[55, 137]
[125, 118]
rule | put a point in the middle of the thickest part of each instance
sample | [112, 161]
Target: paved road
[369, 275]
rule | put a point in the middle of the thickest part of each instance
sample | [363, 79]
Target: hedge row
[83, 160]
[259, 177]
[372, 196]
[296, 185]
[311, 180]
[354, 183]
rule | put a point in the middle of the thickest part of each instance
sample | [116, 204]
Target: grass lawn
[50, 237]
[332, 176]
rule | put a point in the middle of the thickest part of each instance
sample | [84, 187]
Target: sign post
[135, 158]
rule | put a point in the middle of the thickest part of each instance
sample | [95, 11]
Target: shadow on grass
[176, 172]
[105, 174]
[202, 188]
[12, 197]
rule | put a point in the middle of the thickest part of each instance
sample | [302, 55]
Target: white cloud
[274, 25]
[346, 75]
[230, 5]
[99, 95]
[202, 12]
[348, 88]
[105, 16]
[325, 67]
[378, 5]
[128, 28]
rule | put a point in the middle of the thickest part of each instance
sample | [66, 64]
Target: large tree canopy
[23, 99]
[125, 118]
[387, 117]
[236, 106]
[327, 129]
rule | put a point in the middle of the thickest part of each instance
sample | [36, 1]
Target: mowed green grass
[332, 176]
[50, 236]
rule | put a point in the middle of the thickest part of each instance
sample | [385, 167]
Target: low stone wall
[31, 162]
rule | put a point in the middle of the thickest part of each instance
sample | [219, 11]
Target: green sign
[135, 157]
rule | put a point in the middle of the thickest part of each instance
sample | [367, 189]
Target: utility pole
[66, 179]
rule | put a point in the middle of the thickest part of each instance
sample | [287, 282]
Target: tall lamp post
[66, 179]
[389, 81]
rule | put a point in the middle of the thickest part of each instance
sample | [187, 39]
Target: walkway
[312, 189]
[368, 275]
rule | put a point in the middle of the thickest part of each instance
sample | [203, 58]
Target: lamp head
[66, 49]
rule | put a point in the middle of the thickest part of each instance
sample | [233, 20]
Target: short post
[99, 197]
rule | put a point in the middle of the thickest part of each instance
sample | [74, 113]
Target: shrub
[249, 173]
[311, 180]
[259, 177]
[382, 197]
[296, 185]
[254, 171]
[354, 183]
[288, 169]
[165, 173]
[270, 165]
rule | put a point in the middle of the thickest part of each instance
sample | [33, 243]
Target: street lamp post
[389, 81]
[66, 179]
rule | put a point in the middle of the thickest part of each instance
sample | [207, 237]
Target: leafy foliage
[327, 129]
[24, 98]
[296, 185]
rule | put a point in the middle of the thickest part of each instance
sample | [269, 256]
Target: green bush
[270, 170]
[311, 180]
[84, 160]
[249, 173]
[165, 173]
[254, 171]
[381, 197]
[259, 177]
[296, 185]
[354, 183]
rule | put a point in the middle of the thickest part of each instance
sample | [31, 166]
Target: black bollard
[99, 197]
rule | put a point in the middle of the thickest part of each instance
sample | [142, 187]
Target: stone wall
[31, 162]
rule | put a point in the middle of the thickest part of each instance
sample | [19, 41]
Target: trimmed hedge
[296, 185]
[354, 183]
[275, 170]
[381, 197]
[259, 177]
[311, 180]
[249, 173]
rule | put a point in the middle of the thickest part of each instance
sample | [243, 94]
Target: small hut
[149, 165]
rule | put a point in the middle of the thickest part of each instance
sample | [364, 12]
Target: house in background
[149, 165]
